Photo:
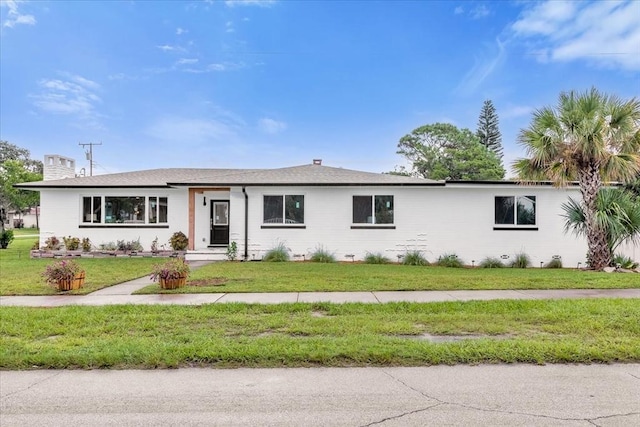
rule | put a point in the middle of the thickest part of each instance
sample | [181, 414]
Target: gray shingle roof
[297, 175]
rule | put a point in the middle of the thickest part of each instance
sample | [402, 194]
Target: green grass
[235, 335]
[302, 276]
[21, 274]
[19, 232]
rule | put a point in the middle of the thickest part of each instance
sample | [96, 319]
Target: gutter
[246, 223]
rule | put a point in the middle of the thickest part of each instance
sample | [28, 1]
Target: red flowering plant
[172, 269]
[61, 270]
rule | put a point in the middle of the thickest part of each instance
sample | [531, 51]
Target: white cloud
[74, 96]
[14, 17]
[483, 68]
[170, 48]
[192, 130]
[229, 27]
[516, 111]
[605, 33]
[260, 3]
[271, 126]
[480, 11]
[185, 61]
[180, 31]
[458, 10]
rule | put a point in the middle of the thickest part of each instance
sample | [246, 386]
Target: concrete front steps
[207, 254]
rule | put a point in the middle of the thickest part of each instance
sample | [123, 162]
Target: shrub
[624, 262]
[131, 246]
[86, 244]
[154, 245]
[178, 241]
[6, 237]
[414, 258]
[554, 263]
[279, 253]
[521, 260]
[35, 246]
[71, 243]
[52, 243]
[109, 246]
[174, 268]
[232, 251]
[322, 255]
[450, 260]
[491, 262]
[376, 258]
[61, 270]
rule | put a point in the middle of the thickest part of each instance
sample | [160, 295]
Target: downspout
[246, 223]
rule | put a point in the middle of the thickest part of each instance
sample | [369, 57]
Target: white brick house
[347, 212]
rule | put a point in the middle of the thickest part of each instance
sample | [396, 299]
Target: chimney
[58, 167]
[317, 162]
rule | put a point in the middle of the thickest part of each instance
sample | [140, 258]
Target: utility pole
[90, 154]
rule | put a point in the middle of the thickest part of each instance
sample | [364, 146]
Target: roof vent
[317, 161]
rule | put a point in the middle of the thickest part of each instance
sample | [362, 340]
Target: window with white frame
[283, 209]
[141, 210]
[373, 209]
[515, 210]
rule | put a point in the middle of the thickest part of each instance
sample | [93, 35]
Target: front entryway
[219, 222]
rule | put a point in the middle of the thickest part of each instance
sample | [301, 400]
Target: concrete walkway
[104, 298]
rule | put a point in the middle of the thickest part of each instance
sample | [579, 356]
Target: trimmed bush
[280, 253]
[450, 260]
[179, 241]
[414, 258]
[491, 262]
[376, 258]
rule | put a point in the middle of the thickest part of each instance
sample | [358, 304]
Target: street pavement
[484, 395]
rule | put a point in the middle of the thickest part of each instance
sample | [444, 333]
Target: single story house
[346, 212]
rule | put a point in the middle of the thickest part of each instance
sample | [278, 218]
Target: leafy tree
[589, 137]
[13, 152]
[617, 212]
[442, 151]
[488, 128]
[16, 166]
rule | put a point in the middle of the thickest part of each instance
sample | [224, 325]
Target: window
[373, 209]
[515, 210]
[139, 210]
[287, 209]
[157, 210]
[91, 209]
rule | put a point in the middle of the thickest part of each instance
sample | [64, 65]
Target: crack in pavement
[503, 411]
[404, 414]
[32, 385]
[634, 376]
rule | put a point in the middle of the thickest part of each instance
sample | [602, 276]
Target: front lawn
[21, 274]
[306, 276]
[395, 334]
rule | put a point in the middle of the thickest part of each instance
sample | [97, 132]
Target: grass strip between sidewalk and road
[395, 334]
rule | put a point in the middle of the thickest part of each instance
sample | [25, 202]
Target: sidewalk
[104, 298]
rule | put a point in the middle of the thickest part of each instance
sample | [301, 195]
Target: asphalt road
[486, 395]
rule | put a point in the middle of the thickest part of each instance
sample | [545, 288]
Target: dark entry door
[219, 222]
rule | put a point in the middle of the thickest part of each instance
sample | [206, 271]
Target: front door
[219, 222]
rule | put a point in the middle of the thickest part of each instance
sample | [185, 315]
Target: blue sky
[252, 84]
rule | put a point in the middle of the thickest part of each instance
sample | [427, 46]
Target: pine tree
[488, 128]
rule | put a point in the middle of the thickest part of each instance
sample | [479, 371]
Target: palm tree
[589, 137]
[617, 212]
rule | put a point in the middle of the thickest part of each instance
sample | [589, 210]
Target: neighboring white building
[305, 207]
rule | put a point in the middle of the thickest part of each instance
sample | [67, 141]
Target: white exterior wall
[436, 220]
[61, 211]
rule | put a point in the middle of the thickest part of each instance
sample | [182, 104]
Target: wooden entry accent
[192, 212]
